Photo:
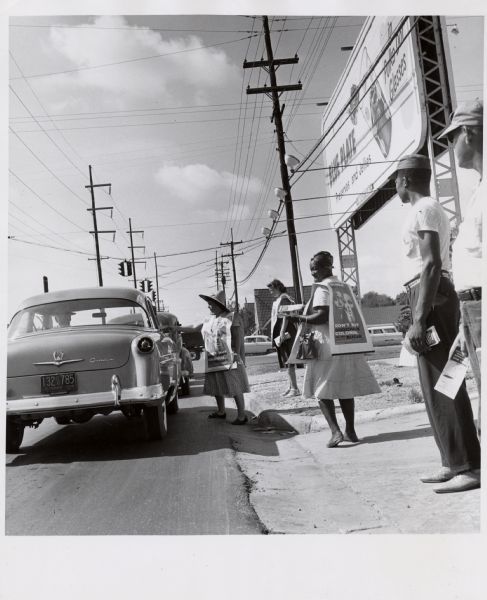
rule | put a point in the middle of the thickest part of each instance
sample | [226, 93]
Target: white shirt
[426, 214]
[467, 247]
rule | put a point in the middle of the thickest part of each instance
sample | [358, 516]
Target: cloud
[203, 189]
[195, 76]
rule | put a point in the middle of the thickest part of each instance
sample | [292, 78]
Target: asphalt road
[104, 478]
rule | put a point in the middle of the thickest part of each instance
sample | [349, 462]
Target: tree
[401, 299]
[375, 299]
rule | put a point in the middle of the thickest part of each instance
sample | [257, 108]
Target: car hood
[70, 350]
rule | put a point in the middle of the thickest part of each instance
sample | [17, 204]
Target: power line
[129, 60]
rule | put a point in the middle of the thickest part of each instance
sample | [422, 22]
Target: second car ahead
[258, 344]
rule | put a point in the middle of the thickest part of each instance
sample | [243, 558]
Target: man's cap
[412, 161]
[468, 113]
[218, 299]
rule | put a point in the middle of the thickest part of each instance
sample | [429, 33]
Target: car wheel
[156, 421]
[173, 407]
[14, 435]
[62, 420]
[185, 387]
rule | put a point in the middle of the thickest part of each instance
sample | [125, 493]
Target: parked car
[258, 344]
[193, 341]
[76, 353]
[169, 324]
[385, 334]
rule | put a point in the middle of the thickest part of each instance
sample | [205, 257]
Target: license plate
[60, 383]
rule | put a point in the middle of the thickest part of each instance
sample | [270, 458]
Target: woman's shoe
[292, 393]
[217, 415]
[351, 436]
[240, 422]
[286, 392]
[335, 439]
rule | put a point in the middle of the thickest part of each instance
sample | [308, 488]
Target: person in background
[328, 377]
[433, 301]
[231, 383]
[284, 331]
[465, 132]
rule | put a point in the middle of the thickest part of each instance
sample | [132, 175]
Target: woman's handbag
[307, 349]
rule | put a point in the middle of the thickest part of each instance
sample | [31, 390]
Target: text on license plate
[59, 383]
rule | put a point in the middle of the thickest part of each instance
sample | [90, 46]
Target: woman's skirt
[283, 352]
[343, 376]
[227, 383]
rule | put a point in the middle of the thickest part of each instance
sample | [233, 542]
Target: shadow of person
[391, 436]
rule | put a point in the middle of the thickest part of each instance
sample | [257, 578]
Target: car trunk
[98, 349]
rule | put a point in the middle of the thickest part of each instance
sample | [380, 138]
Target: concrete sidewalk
[370, 487]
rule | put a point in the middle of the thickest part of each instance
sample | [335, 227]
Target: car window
[78, 313]
[250, 339]
[389, 330]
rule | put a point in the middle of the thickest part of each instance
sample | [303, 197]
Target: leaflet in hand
[453, 372]
[290, 310]
[432, 338]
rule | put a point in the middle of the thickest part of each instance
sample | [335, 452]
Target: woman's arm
[319, 316]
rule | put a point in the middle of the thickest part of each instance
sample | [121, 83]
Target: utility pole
[132, 231]
[45, 284]
[95, 231]
[274, 91]
[157, 282]
[232, 256]
[216, 270]
[223, 272]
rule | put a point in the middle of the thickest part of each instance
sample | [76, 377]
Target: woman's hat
[218, 299]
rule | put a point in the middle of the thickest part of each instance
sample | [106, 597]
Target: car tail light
[145, 345]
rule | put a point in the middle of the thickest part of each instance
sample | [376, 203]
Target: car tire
[156, 421]
[62, 420]
[173, 407]
[185, 386]
[14, 435]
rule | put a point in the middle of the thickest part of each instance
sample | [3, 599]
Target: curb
[274, 419]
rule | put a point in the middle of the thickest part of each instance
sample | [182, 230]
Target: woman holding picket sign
[225, 370]
[330, 375]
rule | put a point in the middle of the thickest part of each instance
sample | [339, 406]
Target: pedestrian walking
[228, 382]
[433, 301]
[328, 377]
[283, 334]
[465, 132]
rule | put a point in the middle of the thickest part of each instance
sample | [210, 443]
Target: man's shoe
[469, 480]
[444, 474]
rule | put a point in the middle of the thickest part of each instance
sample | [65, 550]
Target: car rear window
[102, 312]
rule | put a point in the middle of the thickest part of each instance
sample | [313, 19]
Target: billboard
[376, 114]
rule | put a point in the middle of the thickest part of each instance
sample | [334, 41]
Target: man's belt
[470, 294]
[415, 280]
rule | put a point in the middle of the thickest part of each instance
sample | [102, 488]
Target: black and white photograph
[173, 176]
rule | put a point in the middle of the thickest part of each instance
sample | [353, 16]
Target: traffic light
[125, 268]
[153, 295]
[149, 285]
[142, 285]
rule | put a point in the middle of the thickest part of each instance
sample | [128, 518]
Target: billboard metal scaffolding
[435, 77]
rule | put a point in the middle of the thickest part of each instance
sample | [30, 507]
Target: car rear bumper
[114, 398]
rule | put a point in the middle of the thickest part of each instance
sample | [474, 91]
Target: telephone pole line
[232, 255]
[95, 231]
[274, 91]
[132, 231]
[157, 283]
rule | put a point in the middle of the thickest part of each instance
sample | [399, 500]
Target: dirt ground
[406, 390]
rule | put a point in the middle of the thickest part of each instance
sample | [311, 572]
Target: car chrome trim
[58, 363]
[38, 404]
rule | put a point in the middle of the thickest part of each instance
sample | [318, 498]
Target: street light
[273, 214]
[280, 193]
[291, 161]
[266, 232]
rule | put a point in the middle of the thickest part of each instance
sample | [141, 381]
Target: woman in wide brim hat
[229, 383]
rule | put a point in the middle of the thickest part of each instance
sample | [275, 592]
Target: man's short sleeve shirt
[426, 214]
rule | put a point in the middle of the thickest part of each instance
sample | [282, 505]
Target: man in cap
[465, 132]
[433, 301]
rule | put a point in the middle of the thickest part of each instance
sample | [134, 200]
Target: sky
[157, 106]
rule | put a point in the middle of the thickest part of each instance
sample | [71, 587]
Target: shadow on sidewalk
[391, 436]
